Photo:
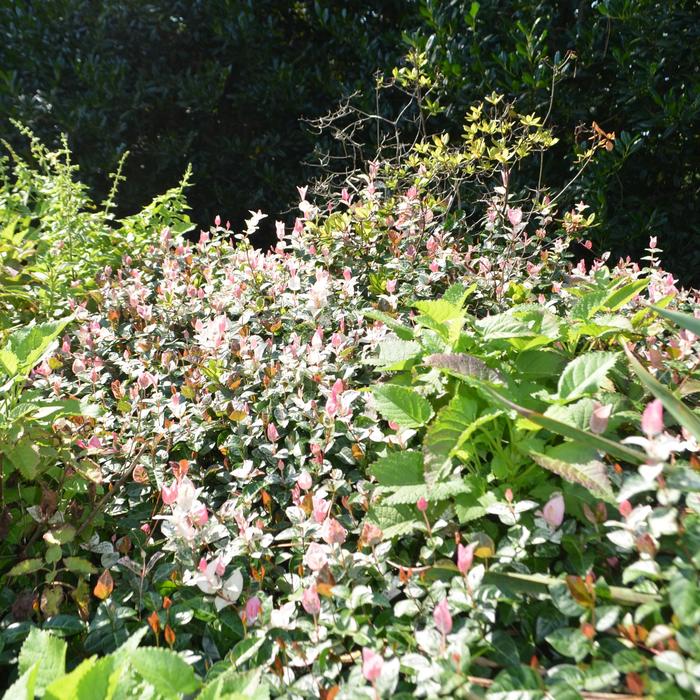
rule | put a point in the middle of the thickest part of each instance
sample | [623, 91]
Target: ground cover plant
[404, 453]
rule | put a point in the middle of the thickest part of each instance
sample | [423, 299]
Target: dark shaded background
[223, 83]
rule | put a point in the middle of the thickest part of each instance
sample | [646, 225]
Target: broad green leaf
[399, 469]
[524, 321]
[26, 347]
[504, 326]
[618, 298]
[233, 685]
[79, 566]
[394, 520]
[401, 405]
[445, 434]
[396, 354]
[440, 310]
[576, 414]
[457, 294]
[25, 686]
[66, 687]
[101, 679]
[28, 566]
[588, 305]
[592, 474]
[25, 457]
[690, 323]
[540, 363]
[684, 595]
[589, 439]
[438, 492]
[674, 406]
[585, 374]
[65, 625]
[165, 670]
[46, 650]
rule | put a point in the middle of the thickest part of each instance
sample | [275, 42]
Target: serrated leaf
[236, 685]
[165, 670]
[438, 492]
[585, 374]
[399, 469]
[440, 310]
[592, 475]
[588, 305]
[66, 687]
[456, 294]
[101, 679]
[401, 405]
[46, 650]
[395, 354]
[26, 347]
[24, 687]
[445, 434]
[25, 458]
[394, 521]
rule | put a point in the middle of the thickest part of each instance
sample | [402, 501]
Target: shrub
[383, 458]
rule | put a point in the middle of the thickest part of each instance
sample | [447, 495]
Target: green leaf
[440, 310]
[396, 354]
[445, 434]
[25, 457]
[100, 680]
[410, 493]
[585, 374]
[46, 650]
[26, 347]
[592, 474]
[570, 642]
[66, 687]
[457, 294]
[79, 565]
[233, 685]
[65, 625]
[165, 670]
[28, 566]
[618, 298]
[399, 469]
[24, 687]
[588, 305]
[690, 323]
[673, 405]
[401, 405]
[589, 439]
[394, 521]
[540, 363]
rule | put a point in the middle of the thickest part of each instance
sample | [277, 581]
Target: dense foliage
[221, 84]
[404, 453]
